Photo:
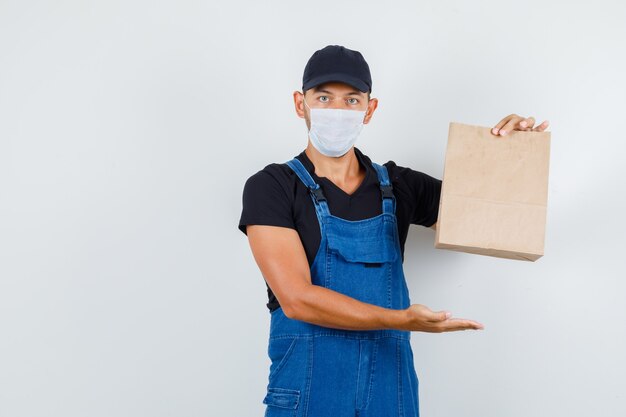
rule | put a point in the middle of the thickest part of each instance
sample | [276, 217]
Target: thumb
[439, 315]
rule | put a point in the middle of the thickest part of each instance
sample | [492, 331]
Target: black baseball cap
[337, 63]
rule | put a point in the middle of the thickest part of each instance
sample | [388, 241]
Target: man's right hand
[421, 318]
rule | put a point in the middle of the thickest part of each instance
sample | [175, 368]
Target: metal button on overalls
[320, 371]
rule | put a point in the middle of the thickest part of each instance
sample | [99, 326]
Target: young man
[327, 230]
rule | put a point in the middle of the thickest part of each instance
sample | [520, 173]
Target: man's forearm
[325, 307]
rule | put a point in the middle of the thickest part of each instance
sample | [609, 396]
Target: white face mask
[334, 131]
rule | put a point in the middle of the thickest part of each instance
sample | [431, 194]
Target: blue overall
[321, 371]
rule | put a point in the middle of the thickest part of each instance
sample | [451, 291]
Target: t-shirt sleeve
[422, 190]
[265, 202]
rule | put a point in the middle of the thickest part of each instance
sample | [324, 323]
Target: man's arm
[279, 253]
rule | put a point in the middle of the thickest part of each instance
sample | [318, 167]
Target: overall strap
[317, 195]
[389, 200]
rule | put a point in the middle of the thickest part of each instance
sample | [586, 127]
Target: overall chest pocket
[372, 245]
[360, 260]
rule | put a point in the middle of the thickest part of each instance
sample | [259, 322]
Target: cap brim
[337, 77]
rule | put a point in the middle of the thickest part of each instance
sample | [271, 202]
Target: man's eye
[323, 97]
[355, 100]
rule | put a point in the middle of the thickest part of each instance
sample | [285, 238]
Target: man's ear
[371, 106]
[299, 105]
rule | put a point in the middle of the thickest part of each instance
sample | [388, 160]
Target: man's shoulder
[274, 168]
[410, 181]
[403, 172]
[267, 198]
[274, 171]
[392, 168]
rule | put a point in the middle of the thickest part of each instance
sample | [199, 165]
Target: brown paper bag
[494, 193]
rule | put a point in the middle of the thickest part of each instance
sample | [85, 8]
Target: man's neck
[341, 170]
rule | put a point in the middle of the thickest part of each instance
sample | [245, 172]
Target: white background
[128, 129]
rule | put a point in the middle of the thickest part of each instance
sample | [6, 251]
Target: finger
[510, 125]
[543, 126]
[462, 324]
[437, 316]
[527, 123]
[501, 123]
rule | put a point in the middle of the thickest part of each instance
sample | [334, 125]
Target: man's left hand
[516, 122]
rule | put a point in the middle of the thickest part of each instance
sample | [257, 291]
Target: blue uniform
[319, 371]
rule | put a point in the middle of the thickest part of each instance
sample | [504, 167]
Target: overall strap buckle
[318, 194]
[387, 191]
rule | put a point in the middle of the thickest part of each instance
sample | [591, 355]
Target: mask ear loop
[304, 100]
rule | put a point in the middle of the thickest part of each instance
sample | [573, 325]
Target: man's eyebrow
[352, 93]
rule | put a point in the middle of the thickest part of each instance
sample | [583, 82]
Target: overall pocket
[360, 261]
[371, 244]
[290, 358]
[281, 402]
[279, 350]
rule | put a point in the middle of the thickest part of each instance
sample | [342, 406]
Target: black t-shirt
[276, 196]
